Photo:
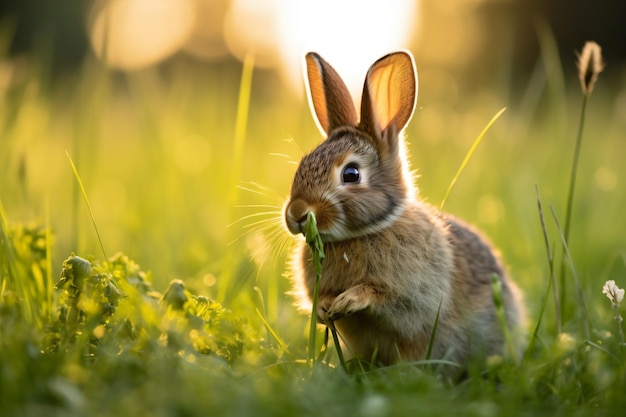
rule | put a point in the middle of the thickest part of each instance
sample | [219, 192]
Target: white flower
[613, 292]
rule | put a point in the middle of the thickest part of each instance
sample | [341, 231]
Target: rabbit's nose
[302, 221]
[296, 215]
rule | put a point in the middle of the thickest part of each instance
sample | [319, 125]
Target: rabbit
[394, 265]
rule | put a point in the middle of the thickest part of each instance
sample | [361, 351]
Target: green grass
[203, 326]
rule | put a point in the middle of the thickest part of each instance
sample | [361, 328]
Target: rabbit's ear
[389, 97]
[328, 95]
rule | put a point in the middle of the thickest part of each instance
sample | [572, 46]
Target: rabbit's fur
[393, 263]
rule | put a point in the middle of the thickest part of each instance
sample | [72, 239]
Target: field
[177, 303]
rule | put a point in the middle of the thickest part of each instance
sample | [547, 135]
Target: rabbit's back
[476, 264]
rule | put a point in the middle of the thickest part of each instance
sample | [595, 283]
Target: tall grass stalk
[11, 270]
[241, 121]
[552, 283]
[342, 359]
[49, 280]
[574, 171]
[91, 100]
[498, 302]
[316, 245]
[570, 196]
[469, 156]
[589, 66]
[553, 67]
[433, 334]
[22, 274]
[568, 256]
[82, 189]
[317, 251]
[271, 332]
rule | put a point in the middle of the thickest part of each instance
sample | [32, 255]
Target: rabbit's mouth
[297, 214]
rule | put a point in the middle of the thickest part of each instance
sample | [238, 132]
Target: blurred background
[472, 38]
[187, 158]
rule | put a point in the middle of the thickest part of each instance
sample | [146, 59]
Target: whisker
[257, 206]
[241, 187]
[281, 244]
[250, 216]
[259, 226]
[259, 186]
[289, 160]
[266, 221]
[279, 248]
[282, 155]
[293, 143]
[261, 190]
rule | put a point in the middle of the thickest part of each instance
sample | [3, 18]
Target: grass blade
[469, 156]
[570, 193]
[431, 342]
[15, 273]
[572, 178]
[49, 281]
[317, 250]
[568, 255]
[342, 359]
[241, 122]
[23, 273]
[496, 292]
[281, 344]
[552, 285]
[314, 240]
[82, 189]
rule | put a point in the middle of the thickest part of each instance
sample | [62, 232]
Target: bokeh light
[206, 39]
[132, 34]
[351, 34]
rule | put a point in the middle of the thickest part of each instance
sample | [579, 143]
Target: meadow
[165, 294]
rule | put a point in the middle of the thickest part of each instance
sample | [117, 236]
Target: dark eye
[350, 175]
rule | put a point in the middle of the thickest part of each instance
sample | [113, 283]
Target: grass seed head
[590, 64]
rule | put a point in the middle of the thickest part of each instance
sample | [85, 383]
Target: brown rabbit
[392, 261]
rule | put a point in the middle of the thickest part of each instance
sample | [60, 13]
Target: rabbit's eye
[350, 175]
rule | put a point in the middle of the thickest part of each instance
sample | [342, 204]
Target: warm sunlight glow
[132, 34]
[350, 34]
[252, 26]
[206, 41]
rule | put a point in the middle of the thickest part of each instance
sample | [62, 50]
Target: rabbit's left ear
[389, 96]
[329, 97]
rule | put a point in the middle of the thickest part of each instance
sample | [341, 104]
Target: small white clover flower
[614, 293]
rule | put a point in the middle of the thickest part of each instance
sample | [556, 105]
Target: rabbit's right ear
[389, 96]
[329, 97]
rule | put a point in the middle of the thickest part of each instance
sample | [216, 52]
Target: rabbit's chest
[369, 261]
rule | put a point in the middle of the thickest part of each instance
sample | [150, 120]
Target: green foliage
[314, 240]
[23, 265]
[109, 326]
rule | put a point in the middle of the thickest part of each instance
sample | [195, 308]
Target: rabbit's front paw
[352, 300]
[323, 305]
